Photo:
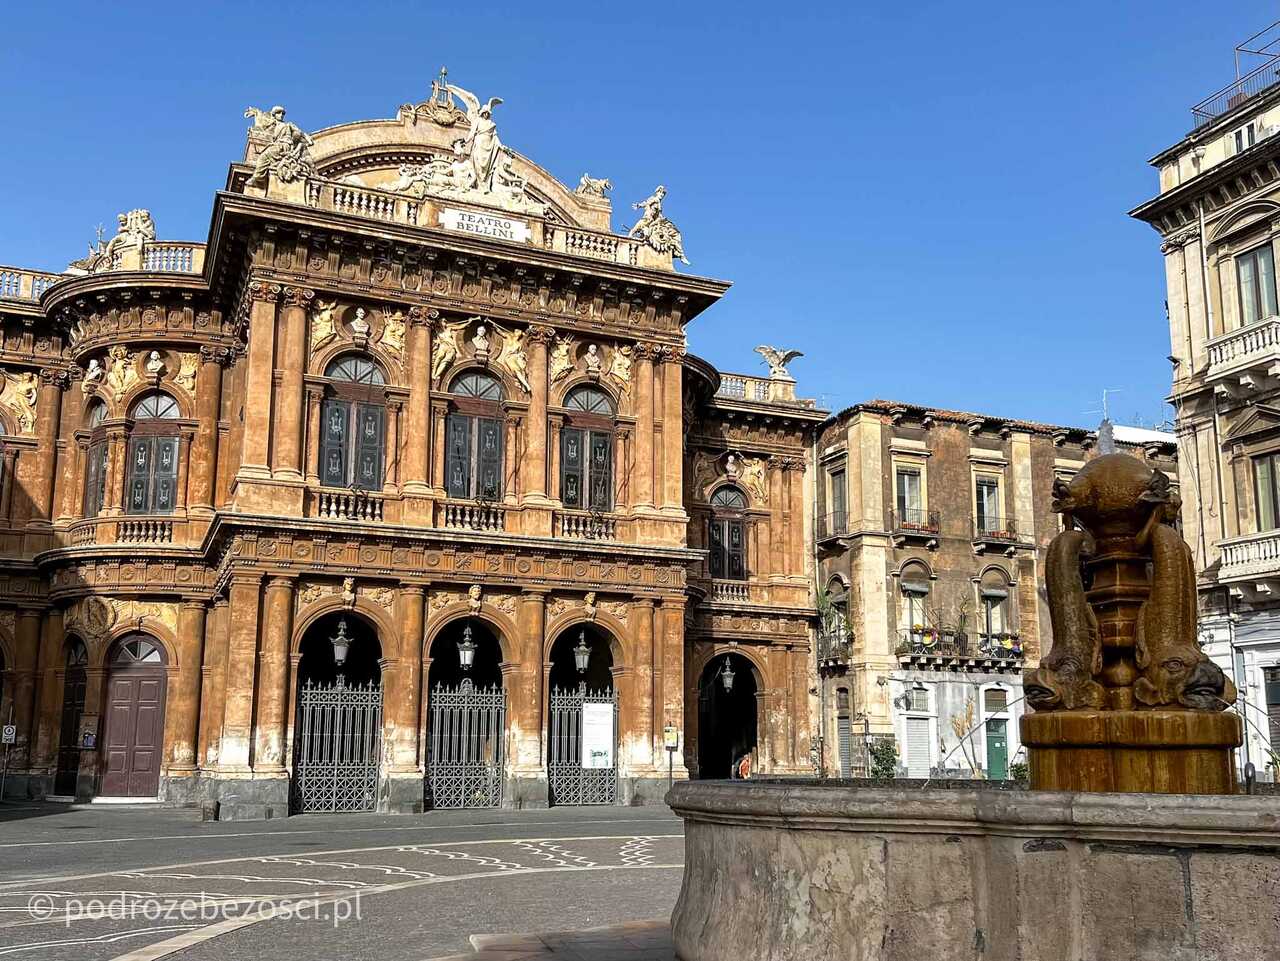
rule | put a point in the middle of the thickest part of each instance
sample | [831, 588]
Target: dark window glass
[586, 469]
[838, 489]
[152, 470]
[473, 461]
[1266, 475]
[987, 505]
[355, 369]
[95, 482]
[1256, 276]
[727, 538]
[353, 425]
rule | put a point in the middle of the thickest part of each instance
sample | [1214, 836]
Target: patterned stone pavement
[635, 941]
[335, 901]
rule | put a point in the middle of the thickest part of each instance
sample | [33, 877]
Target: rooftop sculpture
[1125, 700]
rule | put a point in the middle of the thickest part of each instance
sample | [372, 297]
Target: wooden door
[134, 739]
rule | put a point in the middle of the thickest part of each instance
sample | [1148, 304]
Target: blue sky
[927, 199]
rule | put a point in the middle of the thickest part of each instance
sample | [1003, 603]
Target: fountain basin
[802, 871]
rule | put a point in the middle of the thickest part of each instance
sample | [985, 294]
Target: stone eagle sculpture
[778, 359]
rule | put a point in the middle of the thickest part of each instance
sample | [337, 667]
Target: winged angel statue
[778, 359]
[482, 148]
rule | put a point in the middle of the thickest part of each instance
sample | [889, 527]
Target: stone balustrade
[348, 505]
[1251, 556]
[472, 516]
[732, 592]
[172, 257]
[1237, 351]
[760, 390]
[146, 530]
[17, 283]
[586, 526]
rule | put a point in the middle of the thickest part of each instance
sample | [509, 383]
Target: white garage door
[917, 746]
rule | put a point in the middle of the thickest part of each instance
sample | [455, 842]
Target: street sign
[9, 734]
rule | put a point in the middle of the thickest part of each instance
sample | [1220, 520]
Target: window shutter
[457, 467]
[165, 473]
[736, 550]
[571, 464]
[716, 537]
[845, 741]
[489, 455]
[601, 471]
[918, 759]
[333, 444]
[139, 474]
[369, 445]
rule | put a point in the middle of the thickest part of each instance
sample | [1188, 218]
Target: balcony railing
[147, 530]
[834, 649]
[732, 592]
[1251, 556]
[1238, 350]
[835, 524]
[473, 516]
[19, 284]
[914, 522]
[586, 526]
[1234, 94]
[746, 388]
[929, 643]
[349, 505]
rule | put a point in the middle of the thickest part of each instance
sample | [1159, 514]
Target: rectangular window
[910, 500]
[489, 458]
[457, 467]
[335, 415]
[987, 505]
[1266, 475]
[838, 503]
[572, 467]
[95, 482]
[995, 700]
[993, 614]
[586, 474]
[1246, 137]
[369, 427]
[728, 545]
[153, 475]
[918, 699]
[1256, 275]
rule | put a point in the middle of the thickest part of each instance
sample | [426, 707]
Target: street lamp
[726, 676]
[581, 653]
[341, 644]
[466, 649]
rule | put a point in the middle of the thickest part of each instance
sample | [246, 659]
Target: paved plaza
[94, 883]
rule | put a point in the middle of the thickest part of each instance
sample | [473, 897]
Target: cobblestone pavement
[94, 885]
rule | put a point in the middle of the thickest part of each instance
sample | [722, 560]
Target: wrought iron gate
[465, 747]
[337, 747]
[576, 778]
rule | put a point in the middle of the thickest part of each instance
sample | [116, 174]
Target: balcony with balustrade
[585, 525]
[991, 533]
[346, 504]
[149, 531]
[832, 526]
[1250, 558]
[761, 390]
[835, 650]
[1245, 358]
[483, 516]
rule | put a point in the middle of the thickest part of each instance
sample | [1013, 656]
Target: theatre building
[399, 492]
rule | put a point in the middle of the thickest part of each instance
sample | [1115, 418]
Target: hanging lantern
[341, 644]
[581, 653]
[726, 677]
[466, 649]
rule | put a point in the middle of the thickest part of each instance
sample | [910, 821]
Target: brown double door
[134, 740]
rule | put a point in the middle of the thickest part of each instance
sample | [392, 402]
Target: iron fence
[1234, 94]
[990, 527]
[465, 749]
[337, 748]
[833, 525]
[912, 520]
[574, 778]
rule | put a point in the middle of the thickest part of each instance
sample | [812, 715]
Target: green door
[997, 750]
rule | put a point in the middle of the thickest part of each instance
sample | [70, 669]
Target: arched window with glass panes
[353, 418]
[153, 455]
[473, 427]
[95, 467]
[586, 450]
[728, 534]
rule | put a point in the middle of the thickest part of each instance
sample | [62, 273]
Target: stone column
[534, 465]
[71, 464]
[555, 428]
[644, 698]
[6, 493]
[184, 704]
[391, 471]
[794, 470]
[26, 655]
[405, 688]
[117, 465]
[204, 450]
[672, 429]
[670, 637]
[528, 711]
[38, 468]
[255, 459]
[48, 707]
[291, 336]
[180, 495]
[241, 669]
[417, 462]
[621, 475]
[273, 680]
[511, 470]
[644, 482]
[439, 409]
[213, 684]
[780, 555]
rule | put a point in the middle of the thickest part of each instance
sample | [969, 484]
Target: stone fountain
[1132, 843]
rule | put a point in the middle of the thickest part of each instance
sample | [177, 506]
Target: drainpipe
[1204, 278]
[817, 669]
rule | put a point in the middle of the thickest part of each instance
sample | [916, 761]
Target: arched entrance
[133, 742]
[727, 715]
[67, 772]
[582, 741]
[337, 740]
[466, 733]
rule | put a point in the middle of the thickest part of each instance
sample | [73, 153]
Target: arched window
[728, 536]
[137, 650]
[586, 450]
[153, 455]
[354, 416]
[995, 624]
[95, 468]
[473, 452]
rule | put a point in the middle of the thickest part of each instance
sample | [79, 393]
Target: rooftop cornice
[1262, 154]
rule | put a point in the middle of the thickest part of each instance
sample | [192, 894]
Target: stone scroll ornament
[1122, 641]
